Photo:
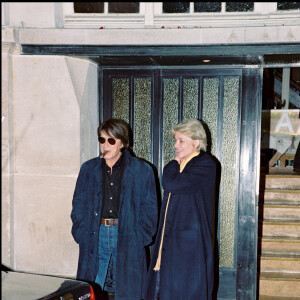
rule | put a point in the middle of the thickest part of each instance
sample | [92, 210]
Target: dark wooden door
[228, 100]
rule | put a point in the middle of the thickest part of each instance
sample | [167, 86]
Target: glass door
[153, 101]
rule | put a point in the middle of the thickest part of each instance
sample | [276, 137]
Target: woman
[182, 262]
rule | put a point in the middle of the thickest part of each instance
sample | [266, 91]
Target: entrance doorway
[154, 100]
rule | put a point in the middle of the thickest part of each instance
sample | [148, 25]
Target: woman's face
[184, 145]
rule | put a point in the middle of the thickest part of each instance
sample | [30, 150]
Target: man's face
[111, 153]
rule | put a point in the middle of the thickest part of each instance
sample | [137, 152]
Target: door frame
[238, 282]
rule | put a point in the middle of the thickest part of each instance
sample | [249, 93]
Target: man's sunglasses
[110, 140]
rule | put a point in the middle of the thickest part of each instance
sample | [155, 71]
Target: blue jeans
[106, 277]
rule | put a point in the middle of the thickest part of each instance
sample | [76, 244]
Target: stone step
[280, 182]
[279, 238]
[279, 264]
[263, 297]
[279, 228]
[269, 211]
[279, 245]
[291, 197]
[282, 286]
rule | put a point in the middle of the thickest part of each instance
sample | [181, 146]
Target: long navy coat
[186, 271]
[136, 228]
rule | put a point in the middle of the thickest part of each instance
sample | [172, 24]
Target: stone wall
[53, 118]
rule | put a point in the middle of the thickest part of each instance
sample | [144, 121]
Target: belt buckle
[106, 222]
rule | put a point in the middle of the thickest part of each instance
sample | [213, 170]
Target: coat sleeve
[79, 206]
[149, 208]
[195, 174]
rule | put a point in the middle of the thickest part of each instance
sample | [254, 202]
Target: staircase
[279, 236]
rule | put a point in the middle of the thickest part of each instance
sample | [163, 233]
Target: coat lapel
[98, 183]
[127, 177]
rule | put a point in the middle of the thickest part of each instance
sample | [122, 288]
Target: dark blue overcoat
[137, 223]
[186, 271]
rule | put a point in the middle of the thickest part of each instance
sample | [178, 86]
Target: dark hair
[116, 128]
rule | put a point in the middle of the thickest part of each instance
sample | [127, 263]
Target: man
[114, 215]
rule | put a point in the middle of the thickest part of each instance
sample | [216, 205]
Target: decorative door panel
[153, 101]
[129, 97]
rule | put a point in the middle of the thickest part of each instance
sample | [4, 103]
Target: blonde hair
[194, 129]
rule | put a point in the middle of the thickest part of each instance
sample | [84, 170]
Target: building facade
[68, 66]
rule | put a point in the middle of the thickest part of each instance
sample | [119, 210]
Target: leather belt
[109, 222]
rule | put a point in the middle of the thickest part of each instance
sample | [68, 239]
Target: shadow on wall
[216, 211]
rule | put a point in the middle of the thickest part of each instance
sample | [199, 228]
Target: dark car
[27, 286]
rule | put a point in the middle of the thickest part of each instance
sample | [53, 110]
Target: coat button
[168, 221]
[96, 214]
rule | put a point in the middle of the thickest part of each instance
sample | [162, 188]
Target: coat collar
[98, 170]
[128, 169]
[128, 158]
[184, 163]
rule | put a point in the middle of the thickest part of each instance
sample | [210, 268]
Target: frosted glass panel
[229, 167]
[170, 116]
[239, 6]
[207, 6]
[176, 7]
[121, 98]
[210, 109]
[123, 7]
[288, 5]
[89, 7]
[227, 157]
[190, 98]
[142, 118]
